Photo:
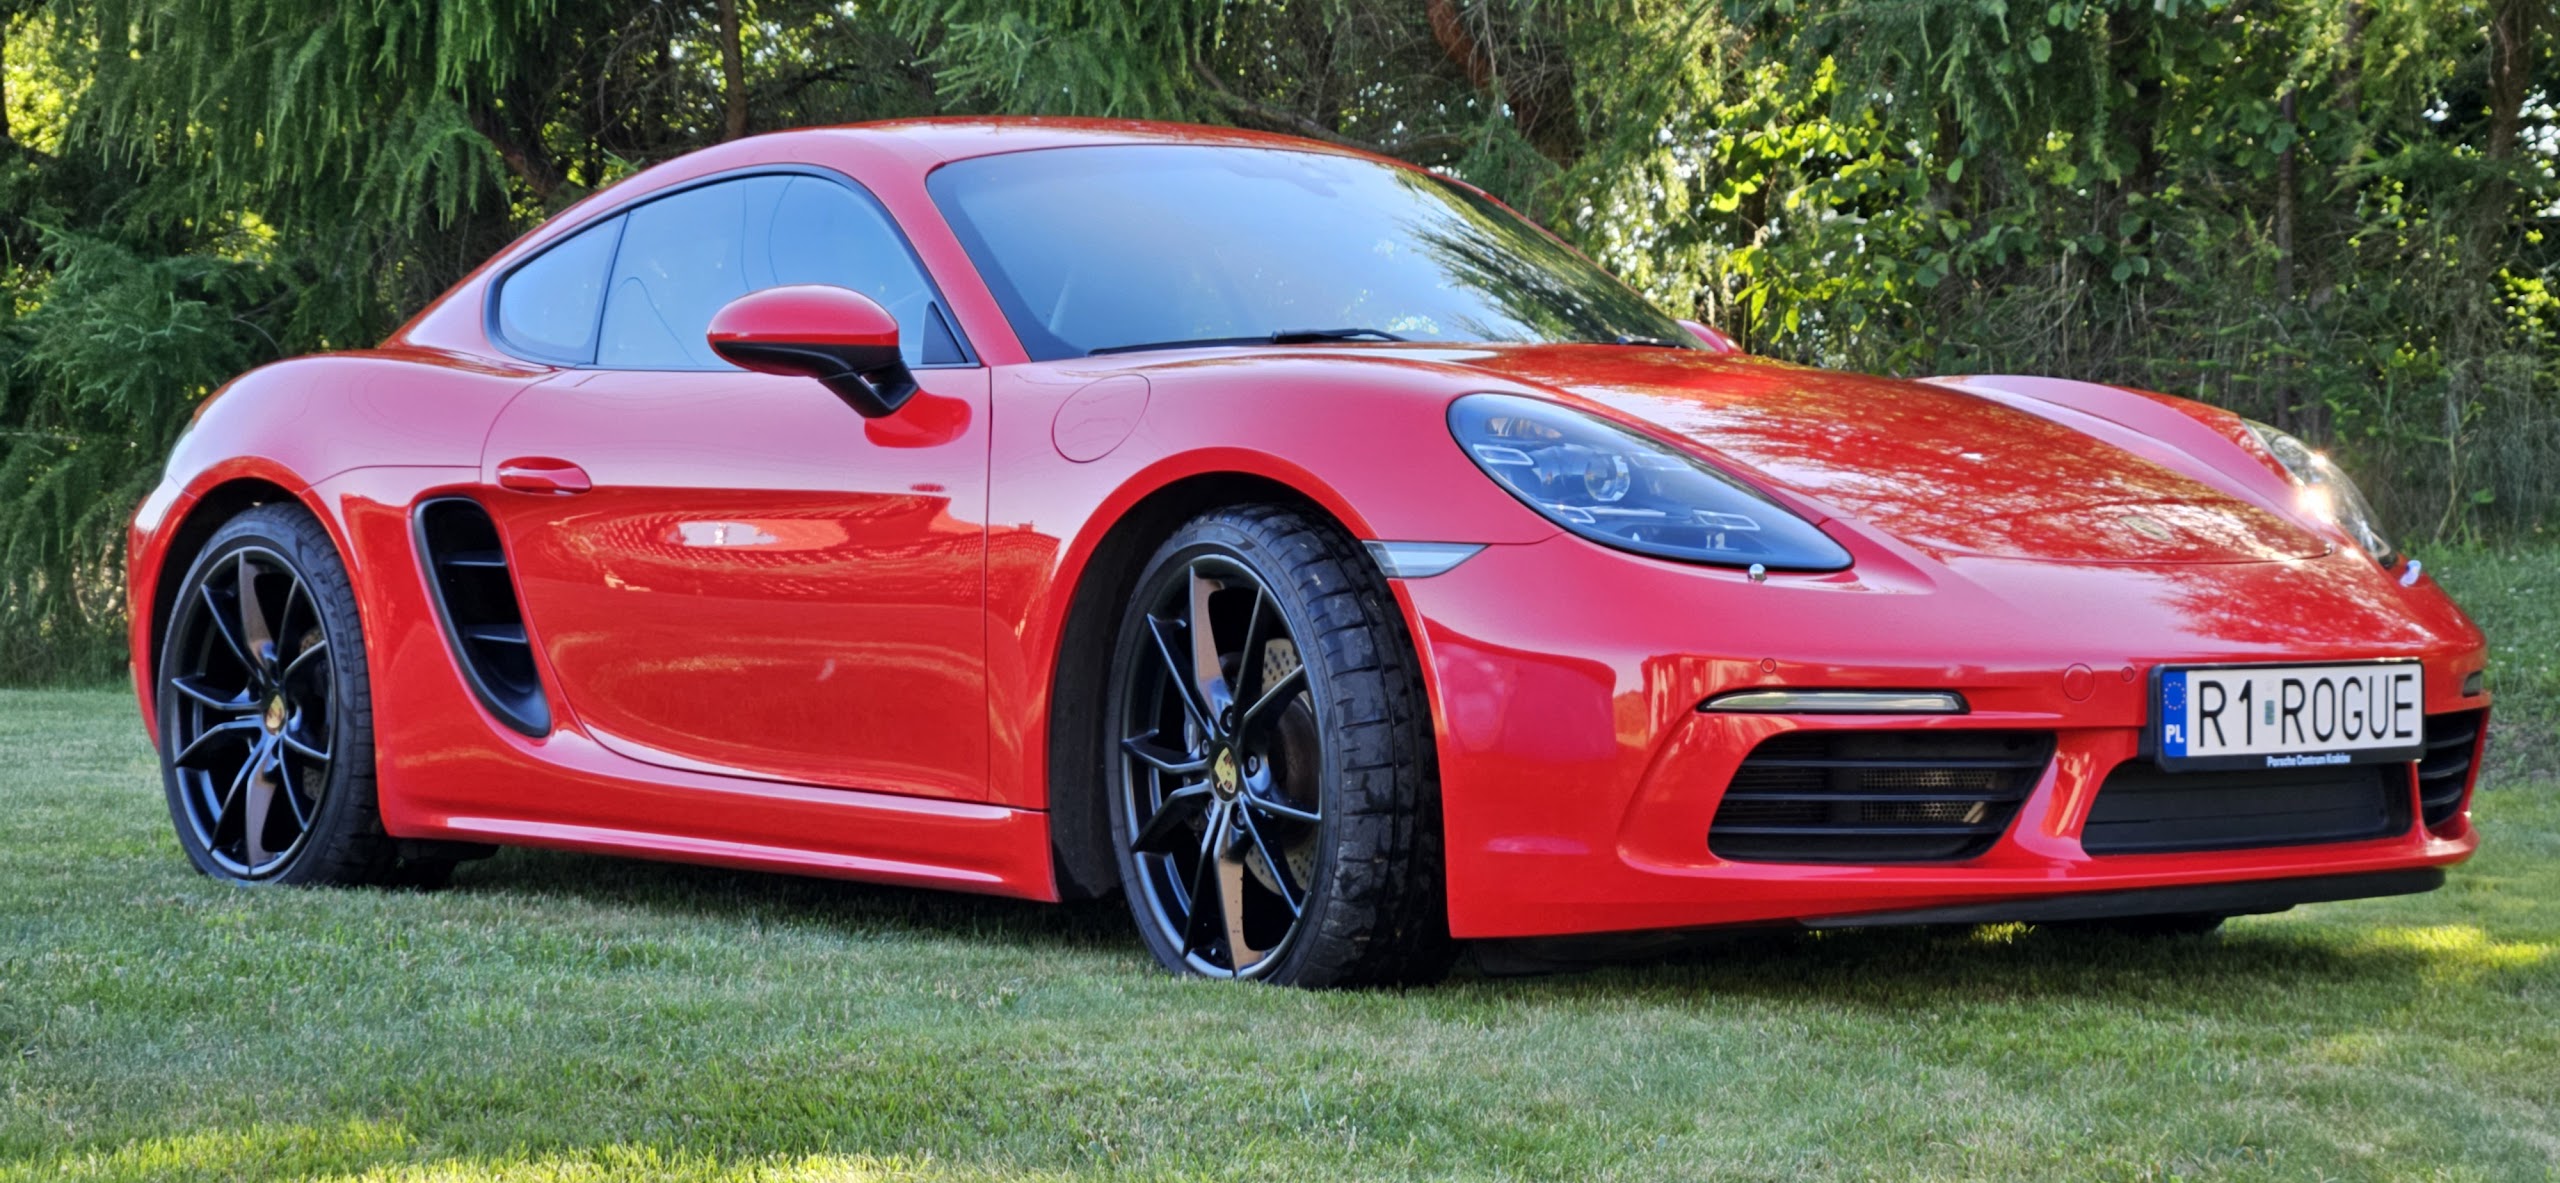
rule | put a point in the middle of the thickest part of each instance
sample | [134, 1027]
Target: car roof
[942, 139]
[893, 155]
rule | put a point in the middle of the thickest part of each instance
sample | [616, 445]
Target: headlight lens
[1620, 489]
[2325, 492]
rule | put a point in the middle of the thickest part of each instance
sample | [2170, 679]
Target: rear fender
[283, 429]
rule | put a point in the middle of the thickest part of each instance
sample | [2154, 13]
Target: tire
[1315, 772]
[266, 722]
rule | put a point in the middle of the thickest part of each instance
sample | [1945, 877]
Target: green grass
[561, 1017]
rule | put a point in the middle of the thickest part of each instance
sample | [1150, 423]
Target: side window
[685, 256]
[682, 258]
[547, 308]
[823, 232]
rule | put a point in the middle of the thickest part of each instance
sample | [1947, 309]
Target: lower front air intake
[1877, 796]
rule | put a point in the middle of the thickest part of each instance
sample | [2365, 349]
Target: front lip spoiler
[1507, 956]
[2246, 898]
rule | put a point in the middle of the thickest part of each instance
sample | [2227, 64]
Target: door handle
[542, 474]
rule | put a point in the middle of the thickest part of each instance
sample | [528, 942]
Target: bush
[2335, 215]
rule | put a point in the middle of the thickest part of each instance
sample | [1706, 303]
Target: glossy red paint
[1711, 336]
[801, 314]
[756, 586]
[778, 635]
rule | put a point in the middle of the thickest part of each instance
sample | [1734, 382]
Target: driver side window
[684, 257]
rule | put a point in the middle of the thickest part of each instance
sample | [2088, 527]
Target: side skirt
[751, 856]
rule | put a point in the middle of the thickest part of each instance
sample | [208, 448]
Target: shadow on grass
[1916, 969]
[717, 893]
[2248, 968]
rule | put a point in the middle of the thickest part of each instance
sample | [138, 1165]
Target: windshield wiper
[1283, 337]
[1309, 336]
[1653, 342]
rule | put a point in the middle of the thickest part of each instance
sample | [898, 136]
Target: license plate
[2288, 716]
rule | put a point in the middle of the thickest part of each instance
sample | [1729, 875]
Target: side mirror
[1710, 337]
[836, 335]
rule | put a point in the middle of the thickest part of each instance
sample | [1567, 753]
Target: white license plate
[2288, 716]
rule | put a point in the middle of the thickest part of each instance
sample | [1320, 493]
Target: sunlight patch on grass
[2457, 952]
[263, 1150]
[618, 1165]
[2354, 1049]
[365, 1152]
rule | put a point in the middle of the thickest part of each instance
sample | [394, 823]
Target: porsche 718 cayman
[1294, 541]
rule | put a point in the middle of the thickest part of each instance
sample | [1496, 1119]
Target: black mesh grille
[2143, 810]
[2444, 773]
[1877, 796]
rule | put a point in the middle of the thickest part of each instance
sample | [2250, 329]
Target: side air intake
[483, 621]
[2444, 773]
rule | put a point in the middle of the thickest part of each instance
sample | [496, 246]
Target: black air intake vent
[2444, 773]
[482, 618]
[1877, 796]
[2143, 810]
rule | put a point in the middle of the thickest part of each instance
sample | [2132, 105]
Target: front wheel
[266, 717]
[1275, 810]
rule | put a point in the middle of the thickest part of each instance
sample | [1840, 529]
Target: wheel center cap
[1223, 775]
[274, 717]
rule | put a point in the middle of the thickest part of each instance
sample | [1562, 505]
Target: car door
[734, 572]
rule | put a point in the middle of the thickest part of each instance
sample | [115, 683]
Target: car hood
[1949, 472]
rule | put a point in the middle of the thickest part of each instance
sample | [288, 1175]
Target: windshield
[1110, 249]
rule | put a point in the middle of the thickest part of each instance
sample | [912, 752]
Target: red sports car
[1294, 541]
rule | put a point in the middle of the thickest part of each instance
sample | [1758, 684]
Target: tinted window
[685, 256]
[547, 308]
[1106, 248]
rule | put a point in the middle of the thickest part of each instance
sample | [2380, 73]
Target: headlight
[2324, 492]
[1620, 489]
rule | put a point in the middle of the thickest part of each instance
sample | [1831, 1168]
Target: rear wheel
[1275, 812]
[266, 717]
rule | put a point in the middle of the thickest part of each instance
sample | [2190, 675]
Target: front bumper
[1579, 779]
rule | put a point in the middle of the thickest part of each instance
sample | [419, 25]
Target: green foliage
[2332, 214]
[115, 349]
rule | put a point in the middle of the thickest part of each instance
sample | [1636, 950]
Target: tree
[2336, 214]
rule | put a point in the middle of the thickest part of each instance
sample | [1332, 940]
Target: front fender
[1373, 451]
[2199, 439]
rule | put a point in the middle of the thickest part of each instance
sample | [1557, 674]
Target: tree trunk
[2286, 183]
[2287, 415]
[1541, 105]
[2510, 72]
[733, 73]
[523, 150]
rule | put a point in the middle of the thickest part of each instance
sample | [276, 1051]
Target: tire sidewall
[341, 819]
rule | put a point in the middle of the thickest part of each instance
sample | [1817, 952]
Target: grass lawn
[565, 1017]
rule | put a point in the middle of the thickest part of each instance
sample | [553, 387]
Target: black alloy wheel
[251, 735]
[1274, 809]
[266, 716]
